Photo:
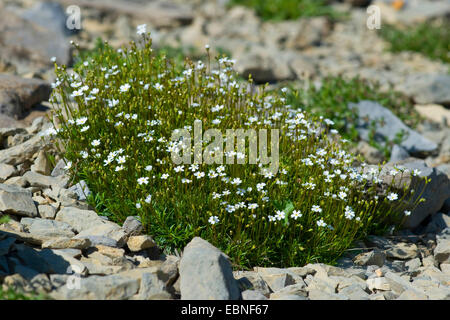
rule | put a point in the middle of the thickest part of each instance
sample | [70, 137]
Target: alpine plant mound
[199, 153]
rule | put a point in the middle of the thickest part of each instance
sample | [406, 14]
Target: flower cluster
[129, 103]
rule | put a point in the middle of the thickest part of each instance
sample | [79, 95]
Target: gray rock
[413, 12]
[17, 201]
[403, 251]
[355, 292]
[18, 95]
[132, 226]
[112, 287]
[371, 154]
[427, 88]
[435, 192]
[49, 15]
[413, 265]
[439, 222]
[252, 295]
[287, 297]
[59, 168]
[316, 294]
[80, 219]
[369, 111]
[168, 271]
[47, 228]
[278, 281]
[399, 285]
[298, 289]
[109, 230]
[307, 32]
[33, 259]
[302, 271]
[252, 281]
[37, 124]
[263, 65]
[41, 164]
[442, 251]
[412, 295]
[41, 181]
[36, 43]
[138, 243]
[374, 257]
[60, 261]
[5, 245]
[17, 283]
[23, 236]
[206, 273]
[23, 152]
[46, 211]
[380, 283]
[65, 243]
[6, 171]
[100, 240]
[17, 181]
[398, 153]
[41, 283]
[81, 189]
[152, 288]
[4, 267]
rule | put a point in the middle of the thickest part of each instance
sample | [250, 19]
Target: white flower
[342, 195]
[77, 93]
[84, 154]
[272, 218]
[316, 209]
[296, 214]
[141, 29]
[236, 181]
[142, 180]
[185, 180]
[121, 159]
[321, 223]
[95, 143]
[158, 86]
[199, 174]
[95, 91]
[68, 165]
[349, 213]
[179, 168]
[392, 196]
[148, 168]
[125, 87]
[213, 220]
[119, 168]
[280, 215]
[407, 213]
[85, 128]
[416, 172]
[53, 59]
[252, 206]
[81, 121]
[138, 205]
[149, 198]
[260, 186]
[164, 176]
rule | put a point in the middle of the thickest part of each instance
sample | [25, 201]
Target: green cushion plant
[114, 117]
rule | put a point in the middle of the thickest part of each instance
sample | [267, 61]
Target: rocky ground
[56, 244]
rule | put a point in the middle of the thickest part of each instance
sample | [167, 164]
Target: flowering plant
[115, 116]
